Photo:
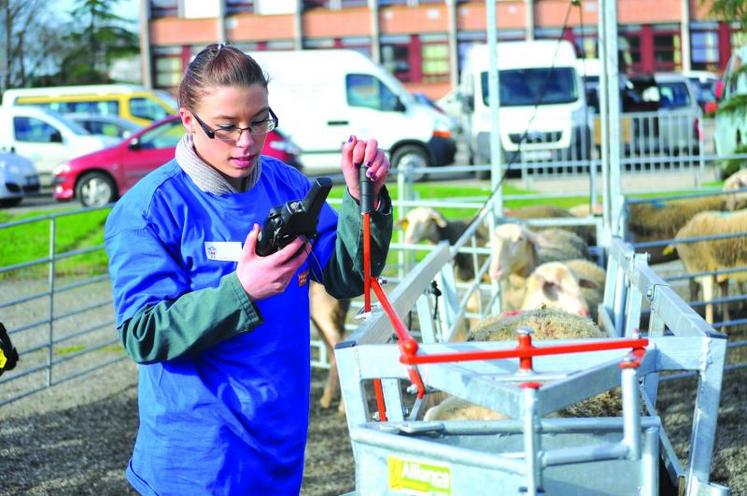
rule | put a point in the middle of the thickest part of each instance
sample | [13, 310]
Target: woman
[221, 335]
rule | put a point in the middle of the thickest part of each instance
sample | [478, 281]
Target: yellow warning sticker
[3, 360]
[419, 477]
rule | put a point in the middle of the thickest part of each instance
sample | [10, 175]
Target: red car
[103, 176]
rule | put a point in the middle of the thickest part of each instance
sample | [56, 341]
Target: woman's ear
[187, 120]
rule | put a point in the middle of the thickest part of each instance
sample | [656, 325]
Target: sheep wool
[553, 324]
[546, 323]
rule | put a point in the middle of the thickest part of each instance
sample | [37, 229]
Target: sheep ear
[550, 290]
[402, 223]
[587, 283]
[439, 219]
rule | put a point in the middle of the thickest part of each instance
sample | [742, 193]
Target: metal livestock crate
[396, 452]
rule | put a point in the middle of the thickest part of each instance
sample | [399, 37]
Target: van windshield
[536, 86]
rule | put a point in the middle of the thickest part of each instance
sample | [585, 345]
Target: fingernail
[350, 138]
[368, 164]
[371, 175]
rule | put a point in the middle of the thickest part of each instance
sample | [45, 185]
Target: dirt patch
[76, 438]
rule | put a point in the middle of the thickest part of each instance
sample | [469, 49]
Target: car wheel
[95, 189]
[413, 156]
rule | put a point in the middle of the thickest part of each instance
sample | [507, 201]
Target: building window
[435, 62]
[164, 8]
[704, 50]
[396, 58]
[631, 54]
[239, 6]
[667, 54]
[168, 70]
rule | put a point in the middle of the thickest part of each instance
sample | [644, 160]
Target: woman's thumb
[251, 240]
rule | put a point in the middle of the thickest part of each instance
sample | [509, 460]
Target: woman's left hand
[356, 151]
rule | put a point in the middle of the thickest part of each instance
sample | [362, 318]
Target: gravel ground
[75, 438]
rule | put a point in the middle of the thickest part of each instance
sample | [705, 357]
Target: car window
[364, 90]
[536, 86]
[146, 108]
[85, 107]
[105, 128]
[674, 95]
[31, 130]
[166, 135]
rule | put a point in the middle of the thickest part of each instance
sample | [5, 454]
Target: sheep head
[553, 285]
[422, 224]
[736, 181]
[513, 249]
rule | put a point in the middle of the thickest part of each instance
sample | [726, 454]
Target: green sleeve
[339, 280]
[193, 322]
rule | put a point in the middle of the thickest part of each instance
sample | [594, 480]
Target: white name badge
[223, 251]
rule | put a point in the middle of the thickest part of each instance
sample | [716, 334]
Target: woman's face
[228, 108]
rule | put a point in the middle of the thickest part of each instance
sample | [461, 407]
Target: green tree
[29, 41]
[730, 11]
[102, 38]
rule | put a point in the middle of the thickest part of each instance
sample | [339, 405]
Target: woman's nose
[245, 139]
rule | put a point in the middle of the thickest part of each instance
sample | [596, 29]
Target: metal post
[631, 413]
[221, 20]
[298, 26]
[451, 9]
[685, 35]
[609, 14]
[529, 34]
[50, 334]
[496, 153]
[531, 442]
[373, 6]
[146, 62]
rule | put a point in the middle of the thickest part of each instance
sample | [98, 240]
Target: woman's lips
[243, 162]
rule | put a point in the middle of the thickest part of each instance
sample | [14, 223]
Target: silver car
[18, 178]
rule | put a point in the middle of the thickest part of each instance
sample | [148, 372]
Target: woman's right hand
[262, 277]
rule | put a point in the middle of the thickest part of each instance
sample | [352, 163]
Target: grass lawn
[28, 242]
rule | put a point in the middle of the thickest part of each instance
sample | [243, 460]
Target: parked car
[704, 83]
[106, 125]
[128, 101]
[46, 138]
[101, 177]
[18, 178]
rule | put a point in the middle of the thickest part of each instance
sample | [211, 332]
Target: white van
[542, 113]
[730, 132]
[47, 138]
[323, 96]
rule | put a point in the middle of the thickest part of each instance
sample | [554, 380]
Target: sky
[129, 9]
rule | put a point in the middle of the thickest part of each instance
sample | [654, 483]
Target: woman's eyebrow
[233, 117]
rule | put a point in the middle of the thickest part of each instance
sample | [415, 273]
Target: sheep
[518, 250]
[702, 256]
[587, 233]
[575, 286]
[546, 324]
[736, 181]
[427, 224]
[662, 220]
[328, 315]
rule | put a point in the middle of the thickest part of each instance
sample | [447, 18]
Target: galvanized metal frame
[690, 344]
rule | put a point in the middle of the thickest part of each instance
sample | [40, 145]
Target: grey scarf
[205, 176]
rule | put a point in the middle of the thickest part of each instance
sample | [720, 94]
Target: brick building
[422, 41]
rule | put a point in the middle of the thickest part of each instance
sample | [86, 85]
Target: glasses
[233, 133]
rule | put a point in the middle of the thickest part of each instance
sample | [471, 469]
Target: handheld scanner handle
[367, 190]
